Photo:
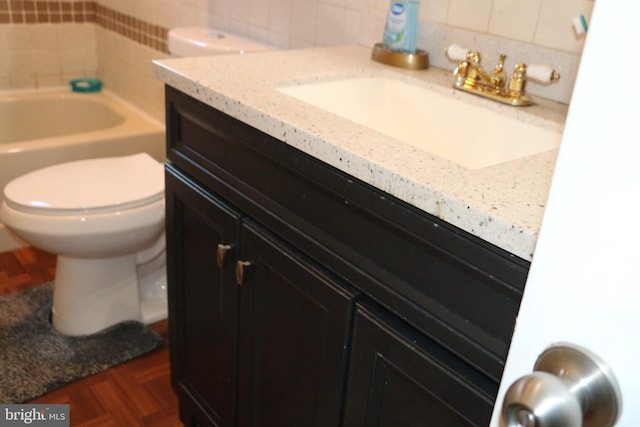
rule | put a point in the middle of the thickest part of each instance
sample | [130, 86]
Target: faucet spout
[499, 76]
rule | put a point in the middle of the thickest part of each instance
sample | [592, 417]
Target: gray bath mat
[35, 358]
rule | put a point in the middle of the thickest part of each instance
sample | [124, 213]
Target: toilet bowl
[104, 218]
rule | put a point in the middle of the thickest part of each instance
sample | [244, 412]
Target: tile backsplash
[40, 12]
[47, 42]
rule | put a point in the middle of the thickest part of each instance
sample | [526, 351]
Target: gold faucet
[469, 76]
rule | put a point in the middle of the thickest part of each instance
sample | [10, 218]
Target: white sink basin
[441, 125]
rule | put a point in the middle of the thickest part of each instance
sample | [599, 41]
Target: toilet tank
[201, 41]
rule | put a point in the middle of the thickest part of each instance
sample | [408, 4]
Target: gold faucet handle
[542, 73]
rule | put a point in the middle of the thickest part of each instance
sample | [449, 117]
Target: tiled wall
[116, 39]
[35, 54]
[295, 23]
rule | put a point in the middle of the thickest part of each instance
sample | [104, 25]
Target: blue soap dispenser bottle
[401, 28]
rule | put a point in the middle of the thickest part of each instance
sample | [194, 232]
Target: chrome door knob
[570, 387]
[541, 399]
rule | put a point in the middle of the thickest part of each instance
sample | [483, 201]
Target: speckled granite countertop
[502, 204]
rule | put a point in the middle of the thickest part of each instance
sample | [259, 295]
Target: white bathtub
[42, 128]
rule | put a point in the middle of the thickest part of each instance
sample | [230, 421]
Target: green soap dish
[86, 85]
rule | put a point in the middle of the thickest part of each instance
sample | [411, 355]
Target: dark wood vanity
[301, 296]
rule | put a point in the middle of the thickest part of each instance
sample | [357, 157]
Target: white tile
[353, 26]
[259, 13]
[23, 81]
[279, 40]
[330, 25]
[240, 27]
[220, 7]
[303, 20]
[4, 63]
[555, 24]
[434, 10]
[356, 5]
[3, 41]
[45, 36]
[333, 2]
[258, 33]
[46, 61]
[381, 4]
[220, 22]
[138, 8]
[50, 80]
[76, 36]
[18, 37]
[162, 13]
[199, 4]
[470, 14]
[514, 19]
[20, 62]
[186, 15]
[372, 27]
[299, 44]
[72, 61]
[5, 84]
[240, 10]
[280, 16]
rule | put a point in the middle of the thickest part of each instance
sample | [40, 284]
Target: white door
[584, 284]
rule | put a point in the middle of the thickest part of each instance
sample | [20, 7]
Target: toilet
[104, 219]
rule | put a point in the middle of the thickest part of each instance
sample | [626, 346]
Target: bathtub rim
[140, 123]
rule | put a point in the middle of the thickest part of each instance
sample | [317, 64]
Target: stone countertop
[502, 204]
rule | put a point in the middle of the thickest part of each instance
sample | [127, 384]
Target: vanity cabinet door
[202, 303]
[398, 378]
[295, 327]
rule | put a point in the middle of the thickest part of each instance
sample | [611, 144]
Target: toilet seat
[99, 185]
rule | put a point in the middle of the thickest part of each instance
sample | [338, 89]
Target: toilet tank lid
[110, 183]
[199, 41]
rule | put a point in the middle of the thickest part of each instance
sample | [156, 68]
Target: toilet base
[92, 294]
[152, 287]
[153, 310]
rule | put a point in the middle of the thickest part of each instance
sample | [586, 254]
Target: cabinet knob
[222, 254]
[243, 269]
[569, 387]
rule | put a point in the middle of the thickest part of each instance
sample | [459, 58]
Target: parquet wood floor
[136, 393]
